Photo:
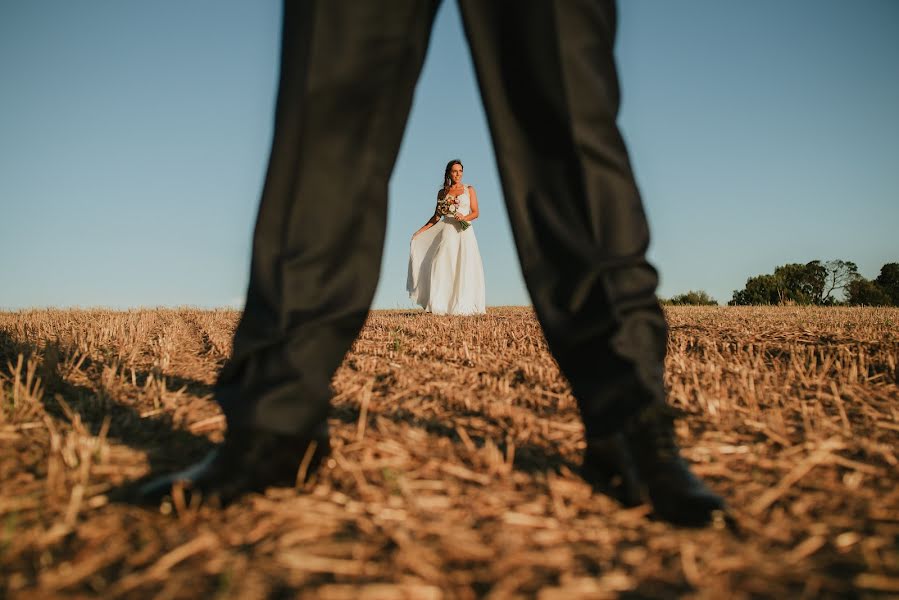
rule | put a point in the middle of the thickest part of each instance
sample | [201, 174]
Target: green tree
[761, 289]
[888, 281]
[862, 292]
[802, 284]
[796, 283]
[839, 275]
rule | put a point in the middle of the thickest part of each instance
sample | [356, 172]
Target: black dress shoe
[247, 461]
[609, 467]
[677, 495]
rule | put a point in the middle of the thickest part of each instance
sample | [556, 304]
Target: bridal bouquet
[448, 208]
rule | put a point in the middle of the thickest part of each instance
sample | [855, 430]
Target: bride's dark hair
[447, 180]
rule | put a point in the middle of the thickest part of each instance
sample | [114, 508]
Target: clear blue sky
[134, 138]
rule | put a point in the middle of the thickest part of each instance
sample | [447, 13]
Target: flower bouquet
[447, 207]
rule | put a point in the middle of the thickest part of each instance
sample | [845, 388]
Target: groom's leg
[348, 72]
[550, 87]
[548, 77]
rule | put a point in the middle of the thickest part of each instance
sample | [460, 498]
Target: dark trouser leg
[348, 72]
[548, 78]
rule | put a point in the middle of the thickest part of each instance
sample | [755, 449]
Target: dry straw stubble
[453, 474]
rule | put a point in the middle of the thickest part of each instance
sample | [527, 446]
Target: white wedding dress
[446, 276]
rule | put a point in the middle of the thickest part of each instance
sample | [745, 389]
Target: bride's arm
[474, 206]
[431, 222]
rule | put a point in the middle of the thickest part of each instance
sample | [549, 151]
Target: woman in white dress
[446, 276]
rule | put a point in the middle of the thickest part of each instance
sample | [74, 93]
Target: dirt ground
[454, 470]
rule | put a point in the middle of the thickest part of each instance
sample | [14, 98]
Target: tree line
[817, 283]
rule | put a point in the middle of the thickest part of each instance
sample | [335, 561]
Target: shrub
[693, 297]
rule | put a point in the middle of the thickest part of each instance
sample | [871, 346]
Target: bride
[445, 271]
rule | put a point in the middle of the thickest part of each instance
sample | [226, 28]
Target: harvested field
[456, 444]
